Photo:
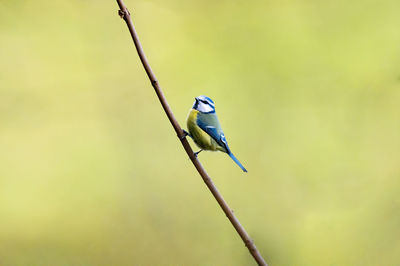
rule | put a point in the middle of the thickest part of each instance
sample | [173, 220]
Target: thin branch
[124, 14]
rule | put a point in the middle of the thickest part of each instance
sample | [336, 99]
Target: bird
[205, 129]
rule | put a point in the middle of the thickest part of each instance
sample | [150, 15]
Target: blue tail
[237, 161]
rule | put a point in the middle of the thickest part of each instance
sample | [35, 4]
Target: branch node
[154, 83]
[124, 13]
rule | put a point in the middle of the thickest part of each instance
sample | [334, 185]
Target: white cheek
[205, 108]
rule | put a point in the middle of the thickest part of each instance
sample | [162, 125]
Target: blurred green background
[308, 94]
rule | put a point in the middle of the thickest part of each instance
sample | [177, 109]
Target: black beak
[196, 103]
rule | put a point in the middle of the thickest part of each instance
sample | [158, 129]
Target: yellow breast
[201, 138]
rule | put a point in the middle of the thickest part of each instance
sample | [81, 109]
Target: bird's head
[204, 104]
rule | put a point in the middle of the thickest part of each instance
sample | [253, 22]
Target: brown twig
[124, 14]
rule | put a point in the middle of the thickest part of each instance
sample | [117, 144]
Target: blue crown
[205, 98]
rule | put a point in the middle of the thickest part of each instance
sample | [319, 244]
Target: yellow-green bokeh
[308, 94]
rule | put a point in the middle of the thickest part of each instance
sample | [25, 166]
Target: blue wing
[210, 124]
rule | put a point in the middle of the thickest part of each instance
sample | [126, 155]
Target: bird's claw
[197, 153]
[185, 133]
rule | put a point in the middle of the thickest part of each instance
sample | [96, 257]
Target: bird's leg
[185, 134]
[197, 153]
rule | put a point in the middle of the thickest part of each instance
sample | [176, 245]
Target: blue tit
[205, 129]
